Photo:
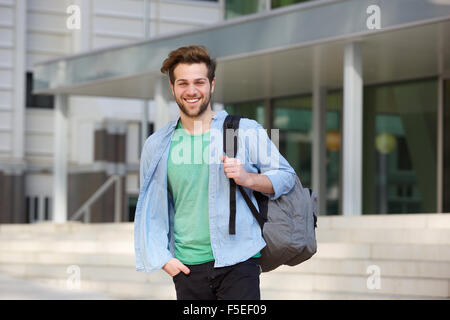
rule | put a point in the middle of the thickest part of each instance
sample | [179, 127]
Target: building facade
[104, 134]
[359, 92]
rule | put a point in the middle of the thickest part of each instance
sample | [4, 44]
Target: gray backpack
[287, 223]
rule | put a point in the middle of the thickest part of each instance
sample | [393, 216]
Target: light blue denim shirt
[153, 224]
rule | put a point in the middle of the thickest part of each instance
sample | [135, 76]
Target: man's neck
[197, 125]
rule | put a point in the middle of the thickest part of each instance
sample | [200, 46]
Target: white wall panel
[39, 144]
[6, 36]
[6, 57]
[38, 184]
[47, 22]
[6, 16]
[5, 100]
[48, 43]
[6, 78]
[5, 141]
[202, 13]
[5, 120]
[82, 141]
[48, 5]
[33, 58]
[132, 144]
[103, 41]
[175, 27]
[39, 121]
[130, 7]
[134, 27]
[132, 184]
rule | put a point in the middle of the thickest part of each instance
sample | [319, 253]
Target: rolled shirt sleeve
[264, 155]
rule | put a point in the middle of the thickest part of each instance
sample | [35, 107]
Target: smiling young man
[182, 215]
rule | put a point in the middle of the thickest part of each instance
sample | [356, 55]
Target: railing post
[87, 215]
[118, 199]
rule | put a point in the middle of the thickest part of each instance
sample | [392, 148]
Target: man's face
[191, 88]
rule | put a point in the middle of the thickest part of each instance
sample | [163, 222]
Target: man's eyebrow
[197, 79]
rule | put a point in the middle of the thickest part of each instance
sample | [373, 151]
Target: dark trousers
[204, 282]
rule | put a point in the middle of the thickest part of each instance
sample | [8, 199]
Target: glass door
[446, 145]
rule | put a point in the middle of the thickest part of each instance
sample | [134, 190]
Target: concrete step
[385, 222]
[316, 265]
[120, 289]
[273, 286]
[68, 258]
[398, 236]
[417, 252]
[363, 267]
[84, 272]
[270, 294]
[21, 289]
[73, 246]
[354, 284]
[70, 227]
[433, 288]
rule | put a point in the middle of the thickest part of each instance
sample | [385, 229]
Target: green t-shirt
[188, 179]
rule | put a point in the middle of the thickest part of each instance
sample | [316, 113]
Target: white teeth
[192, 100]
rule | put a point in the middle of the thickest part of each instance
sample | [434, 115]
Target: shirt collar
[218, 115]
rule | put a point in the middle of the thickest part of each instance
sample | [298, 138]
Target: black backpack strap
[252, 207]
[230, 124]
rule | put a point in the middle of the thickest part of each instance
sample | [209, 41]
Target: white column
[319, 168]
[162, 103]
[145, 103]
[19, 80]
[81, 38]
[144, 122]
[61, 142]
[352, 131]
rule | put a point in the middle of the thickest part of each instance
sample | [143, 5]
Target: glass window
[237, 8]
[282, 3]
[293, 117]
[252, 110]
[446, 191]
[399, 147]
[132, 203]
[37, 100]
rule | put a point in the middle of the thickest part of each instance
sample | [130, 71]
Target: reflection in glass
[399, 174]
[446, 182]
[282, 3]
[293, 117]
[237, 8]
[252, 110]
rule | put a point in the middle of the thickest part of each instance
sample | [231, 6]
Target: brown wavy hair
[189, 55]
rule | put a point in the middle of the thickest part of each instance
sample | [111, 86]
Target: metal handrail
[85, 210]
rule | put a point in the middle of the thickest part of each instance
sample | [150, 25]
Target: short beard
[202, 109]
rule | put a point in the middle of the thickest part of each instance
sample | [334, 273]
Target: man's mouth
[192, 100]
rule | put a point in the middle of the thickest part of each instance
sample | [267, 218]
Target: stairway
[359, 257]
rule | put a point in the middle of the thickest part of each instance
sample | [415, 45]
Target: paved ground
[20, 289]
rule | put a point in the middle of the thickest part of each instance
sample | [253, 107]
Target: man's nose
[191, 90]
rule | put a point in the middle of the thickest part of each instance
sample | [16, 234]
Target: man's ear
[213, 83]
[171, 88]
